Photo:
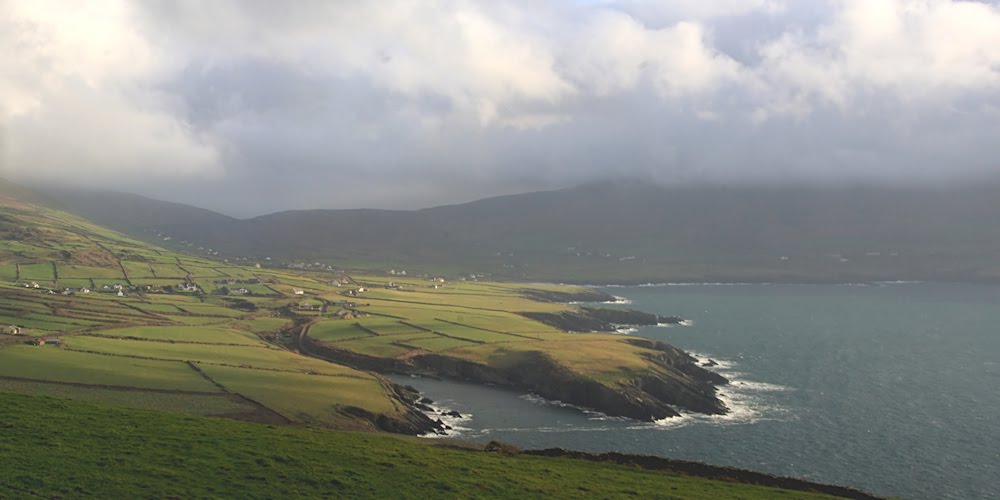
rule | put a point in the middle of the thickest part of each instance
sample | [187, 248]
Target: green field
[264, 325]
[61, 365]
[62, 453]
[337, 330]
[379, 347]
[200, 334]
[197, 404]
[72, 271]
[198, 320]
[37, 272]
[211, 310]
[138, 269]
[311, 399]
[257, 357]
[439, 343]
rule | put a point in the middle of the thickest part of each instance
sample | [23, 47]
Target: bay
[891, 388]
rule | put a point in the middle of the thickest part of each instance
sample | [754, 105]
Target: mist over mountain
[615, 231]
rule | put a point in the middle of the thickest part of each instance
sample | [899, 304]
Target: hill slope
[135, 320]
[627, 232]
[61, 453]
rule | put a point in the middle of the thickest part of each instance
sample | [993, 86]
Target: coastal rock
[584, 295]
[648, 398]
[599, 319]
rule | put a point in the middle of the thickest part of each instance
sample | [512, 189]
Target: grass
[167, 271]
[197, 404]
[439, 343]
[258, 357]
[69, 449]
[61, 365]
[303, 398]
[8, 272]
[206, 334]
[379, 347]
[211, 310]
[198, 320]
[138, 269]
[71, 271]
[37, 272]
[157, 308]
[26, 322]
[602, 358]
[264, 325]
[337, 330]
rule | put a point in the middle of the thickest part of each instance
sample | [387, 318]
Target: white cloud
[78, 98]
[911, 50]
[497, 93]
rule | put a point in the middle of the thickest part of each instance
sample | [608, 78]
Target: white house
[298, 291]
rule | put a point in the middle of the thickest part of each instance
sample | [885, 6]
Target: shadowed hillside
[620, 232]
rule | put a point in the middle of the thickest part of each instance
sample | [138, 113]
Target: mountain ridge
[626, 231]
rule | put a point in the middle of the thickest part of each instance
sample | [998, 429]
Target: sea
[892, 388]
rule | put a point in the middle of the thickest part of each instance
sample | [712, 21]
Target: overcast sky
[253, 106]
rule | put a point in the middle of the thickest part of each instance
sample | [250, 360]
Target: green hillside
[129, 323]
[76, 450]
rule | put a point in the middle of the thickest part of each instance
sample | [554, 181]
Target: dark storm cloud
[249, 107]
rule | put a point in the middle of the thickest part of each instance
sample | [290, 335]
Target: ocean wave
[749, 401]
[438, 411]
[683, 322]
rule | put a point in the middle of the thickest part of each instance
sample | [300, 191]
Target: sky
[254, 106]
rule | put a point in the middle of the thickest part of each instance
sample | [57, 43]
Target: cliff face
[410, 421]
[582, 295]
[674, 382]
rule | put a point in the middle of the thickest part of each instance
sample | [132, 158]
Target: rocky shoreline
[600, 319]
[648, 398]
[675, 382]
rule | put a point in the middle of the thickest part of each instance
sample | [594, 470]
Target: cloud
[79, 98]
[255, 106]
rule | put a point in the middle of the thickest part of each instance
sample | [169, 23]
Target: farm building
[298, 291]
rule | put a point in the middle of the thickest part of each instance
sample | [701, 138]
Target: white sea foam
[626, 330]
[456, 423]
[683, 322]
[748, 401]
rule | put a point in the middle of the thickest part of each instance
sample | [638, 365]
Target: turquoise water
[894, 389]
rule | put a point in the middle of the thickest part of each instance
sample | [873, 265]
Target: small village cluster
[117, 289]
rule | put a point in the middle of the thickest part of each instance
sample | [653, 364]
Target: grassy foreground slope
[75, 450]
